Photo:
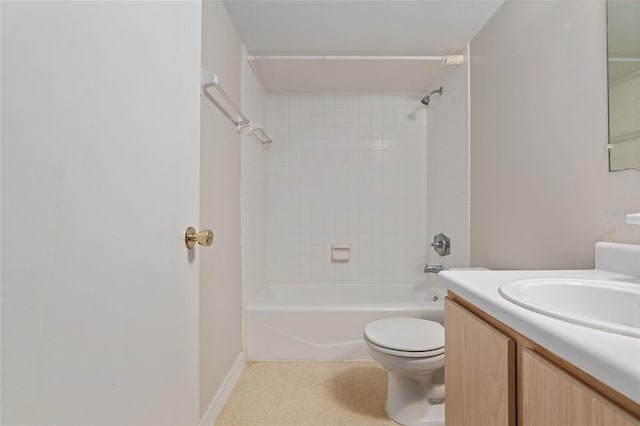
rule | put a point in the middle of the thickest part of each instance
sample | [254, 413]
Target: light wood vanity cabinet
[479, 371]
[552, 397]
[498, 377]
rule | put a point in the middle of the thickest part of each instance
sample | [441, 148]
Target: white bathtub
[325, 321]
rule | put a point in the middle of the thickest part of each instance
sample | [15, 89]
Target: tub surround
[346, 169]
[610, 358]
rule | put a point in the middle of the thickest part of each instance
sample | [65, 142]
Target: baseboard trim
[218, 401]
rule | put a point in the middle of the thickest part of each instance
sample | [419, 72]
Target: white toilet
[412, 350]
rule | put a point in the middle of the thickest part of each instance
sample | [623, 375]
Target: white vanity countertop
[611, 358]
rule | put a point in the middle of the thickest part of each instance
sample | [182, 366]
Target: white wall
[100, 140]
[540, 187]
[254, 188]
[220, 274]
[346, 169]
[448, 167]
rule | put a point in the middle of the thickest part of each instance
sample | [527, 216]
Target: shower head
[427, 98]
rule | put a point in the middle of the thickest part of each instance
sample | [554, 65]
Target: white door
[100, 154]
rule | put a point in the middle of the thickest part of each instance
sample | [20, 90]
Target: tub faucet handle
[441, 244]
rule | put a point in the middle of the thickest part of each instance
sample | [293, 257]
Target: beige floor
[300, 393]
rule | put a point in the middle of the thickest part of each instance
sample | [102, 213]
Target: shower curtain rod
[445, 59]
[624, 59]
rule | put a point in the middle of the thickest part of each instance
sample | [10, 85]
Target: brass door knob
[204, 238]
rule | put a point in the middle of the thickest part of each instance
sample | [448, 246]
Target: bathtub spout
[433, 269]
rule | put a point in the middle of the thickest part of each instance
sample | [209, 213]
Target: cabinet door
[550, 397]
[479, 371]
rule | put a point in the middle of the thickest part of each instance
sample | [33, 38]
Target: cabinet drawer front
[479, 371]
[551, 397]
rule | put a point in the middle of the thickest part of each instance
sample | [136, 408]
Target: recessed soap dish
[633, 219]
[340, 252]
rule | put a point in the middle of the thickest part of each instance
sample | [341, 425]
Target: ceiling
[375, 27]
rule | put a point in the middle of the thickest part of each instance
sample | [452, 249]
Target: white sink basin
[612, 306]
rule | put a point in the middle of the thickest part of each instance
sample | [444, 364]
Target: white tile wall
[448, 168]
[254, 189]
[347, 169]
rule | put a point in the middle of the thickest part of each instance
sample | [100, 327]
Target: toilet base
[408, 402]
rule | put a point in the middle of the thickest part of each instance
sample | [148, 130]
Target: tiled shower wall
[448, 168]
[254, 189]
[346, 169]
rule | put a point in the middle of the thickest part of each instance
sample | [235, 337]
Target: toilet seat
[406, 354]
[406, 337]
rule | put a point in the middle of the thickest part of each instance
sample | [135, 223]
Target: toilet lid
[406, 334]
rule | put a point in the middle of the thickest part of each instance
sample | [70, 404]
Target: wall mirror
[623, 45]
